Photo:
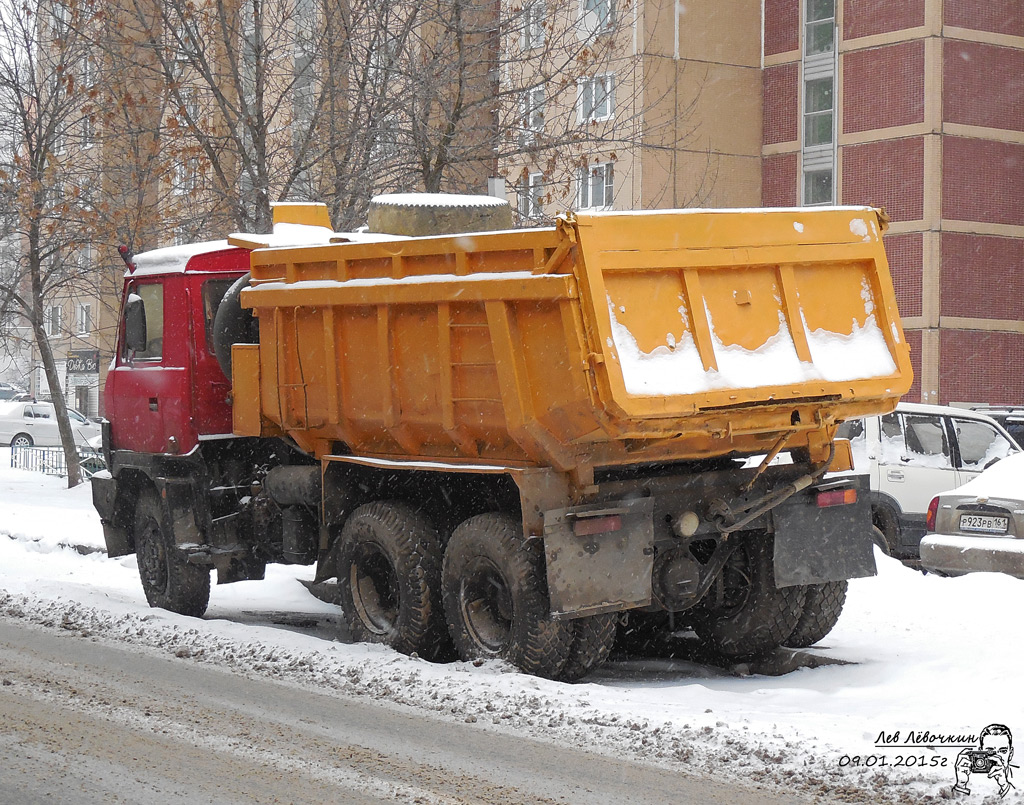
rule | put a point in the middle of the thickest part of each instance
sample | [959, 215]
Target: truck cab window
[213, 292]
[153, 301]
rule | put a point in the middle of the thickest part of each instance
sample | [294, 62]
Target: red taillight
[584, 527]
[836, 497]
[929, 518]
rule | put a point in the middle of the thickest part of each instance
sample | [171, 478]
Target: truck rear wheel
[592, 641]
[168, 580]
[495, 598]
[745, 614]
[389, 578]
[823, 604]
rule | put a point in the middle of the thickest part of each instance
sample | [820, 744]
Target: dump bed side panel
[697, 311]
[463, 347]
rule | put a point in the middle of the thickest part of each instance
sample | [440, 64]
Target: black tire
[495, 598]
[749, 615]
[22, 440]
[592, 641]
[168, 580]
[823, 604]
[389, 579]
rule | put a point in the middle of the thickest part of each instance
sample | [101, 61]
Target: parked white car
[24, 424]
[915, 453]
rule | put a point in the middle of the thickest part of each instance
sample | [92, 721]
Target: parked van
[913, 454]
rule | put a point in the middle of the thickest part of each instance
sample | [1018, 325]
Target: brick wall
[781, 87]
[983, 85]
[779, 181]
[996, 16]
[982, 180]
[781, 26]
[984, 276]
[914, 340]
[887, 173]
[883, 87]
[906, 254]
[868, 17]
[980, 366]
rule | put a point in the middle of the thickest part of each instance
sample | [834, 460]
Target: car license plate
[983, 523]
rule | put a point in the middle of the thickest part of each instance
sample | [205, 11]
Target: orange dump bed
[609, 339]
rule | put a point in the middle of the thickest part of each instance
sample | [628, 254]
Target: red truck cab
[170, 390]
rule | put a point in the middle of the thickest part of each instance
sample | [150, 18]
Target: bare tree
[337, 100]
[44, 115]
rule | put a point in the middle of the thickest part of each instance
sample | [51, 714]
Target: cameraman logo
[991, 760]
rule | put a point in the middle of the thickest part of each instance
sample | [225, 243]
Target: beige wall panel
[724, 31]
[727, 105]
[717, 180]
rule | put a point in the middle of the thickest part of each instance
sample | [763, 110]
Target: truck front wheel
[389, 577]
[745, 614]
[823, 604]
[168, 580]
[495, 598]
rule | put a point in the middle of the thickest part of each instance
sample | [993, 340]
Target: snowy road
[85, 721]
[914, 660]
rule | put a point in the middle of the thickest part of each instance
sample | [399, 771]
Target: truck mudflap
[599, 557]
[104, 499]
[824, 534]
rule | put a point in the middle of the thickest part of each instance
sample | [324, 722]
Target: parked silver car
[979, 526]
[24, 424]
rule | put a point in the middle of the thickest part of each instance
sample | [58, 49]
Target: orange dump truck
[515, 444]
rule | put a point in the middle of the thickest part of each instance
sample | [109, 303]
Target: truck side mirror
[135, 324]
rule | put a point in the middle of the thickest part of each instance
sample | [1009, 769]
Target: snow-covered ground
[912, 654]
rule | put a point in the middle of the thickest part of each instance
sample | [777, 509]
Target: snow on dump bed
[676, 367]
[438, 200]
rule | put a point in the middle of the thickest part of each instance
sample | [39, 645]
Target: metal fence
[50, 460]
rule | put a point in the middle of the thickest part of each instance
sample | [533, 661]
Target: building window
[533, 24]
[817, 149]
[532, 110]
[54, 319]
[88, 72]
[598, 15]
[186, 176]
[818, 186]
[595, 98]
[84, 319]
[88, 132]
[530, 190]
[596, 186]
[818, 111]
[820, 28]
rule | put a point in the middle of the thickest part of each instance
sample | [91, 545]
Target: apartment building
[917, 106]
[664, 106]
[600, 104]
